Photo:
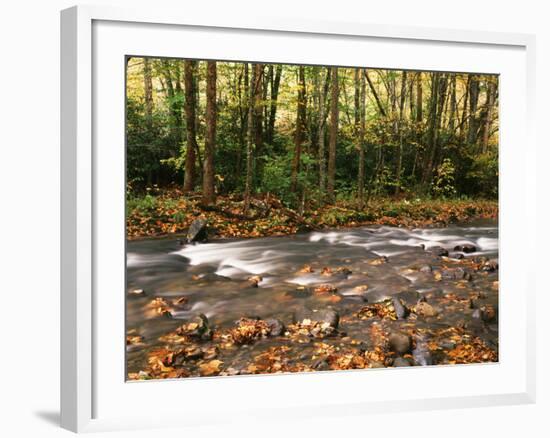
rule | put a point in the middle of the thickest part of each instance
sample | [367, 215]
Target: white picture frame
[90, 245]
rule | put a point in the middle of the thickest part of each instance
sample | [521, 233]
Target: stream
[362, 265]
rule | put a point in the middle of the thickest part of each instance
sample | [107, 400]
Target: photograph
[291, 218]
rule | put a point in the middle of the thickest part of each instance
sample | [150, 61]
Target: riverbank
[169, 212]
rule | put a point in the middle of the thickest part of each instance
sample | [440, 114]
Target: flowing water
[380, 261]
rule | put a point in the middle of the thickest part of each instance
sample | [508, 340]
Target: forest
[305, 146]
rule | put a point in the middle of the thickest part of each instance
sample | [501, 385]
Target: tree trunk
[253, 93]
[321, 91]
[273, 102]
[148, 87]
[399, 161]
[472, 116]
[361, 105]
[208, 192]
[299, 135]
[488, 115]
[333, 134]
[190, 122]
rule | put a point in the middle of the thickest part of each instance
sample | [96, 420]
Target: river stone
[202, 330]
[409, 297]
[422, 355]
[425, 309]
[197, 231]
[490, 265]
[276, 327]
[401, 362]
[439, 251]
[328, 316]
[320, 364]
[400, 310]
[456, 255]
[467, 248]
[426, 269]
[400, 343]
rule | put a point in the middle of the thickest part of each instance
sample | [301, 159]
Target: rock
[476, 314]
[490, 266]
[409, 297]
[439, 251]
[377, 365]
[137, 293]
[456, 255]
[197, 231]
[456, 274]
[401, 362]
[426, 269]
[422, 355]
[197, 327]
[425, 309]
[400, 343]
[276, 327]
[400, 310]
[320, 364]
[329, 316]
[488, 313]
[467, 248]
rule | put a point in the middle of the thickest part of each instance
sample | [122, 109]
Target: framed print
[281, 207]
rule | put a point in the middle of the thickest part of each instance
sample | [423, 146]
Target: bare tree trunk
[208, 192]
[472, 116]
[400, 129]
[299, 135]
[253, 92]
[273, 102]
[148, 87]
[453, 109]
[488, 116]
[361, 104]
[190, 122]
[334, 115]
[375, 94]
[321, 91]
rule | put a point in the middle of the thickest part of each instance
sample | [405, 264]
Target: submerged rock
[425, 309]
[328, 316]
[197, 231]
[439, 251]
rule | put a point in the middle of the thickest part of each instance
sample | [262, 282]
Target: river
[361, 265]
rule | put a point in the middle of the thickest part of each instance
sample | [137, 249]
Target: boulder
[197, 231]
[409, 297]
[439, 251]
[400, 343]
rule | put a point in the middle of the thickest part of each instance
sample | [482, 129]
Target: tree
[333, 134]
[208, 192]
[360, 116]
[275, 81]
[190, 123]
[300, 132]
[148, 91]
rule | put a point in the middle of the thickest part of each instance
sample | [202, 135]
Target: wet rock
[490, 266]
[254, 280]
[455, 274]
[400, 310]
[439, 251]
[401, 362]
[425, 309]
[422, 355]
[488, 313]
[377, 365]
[409, 297]
[276, 326]
[197, 231]
[320, 364]
[400, 343]
[456, 255]
[137, 293]
[466, 248]
[476, 314]
[197, 327]
[426, 269]
[328, 316]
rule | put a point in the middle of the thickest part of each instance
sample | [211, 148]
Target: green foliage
[444, 180]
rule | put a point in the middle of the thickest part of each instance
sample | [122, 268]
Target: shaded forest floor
[169, 212]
